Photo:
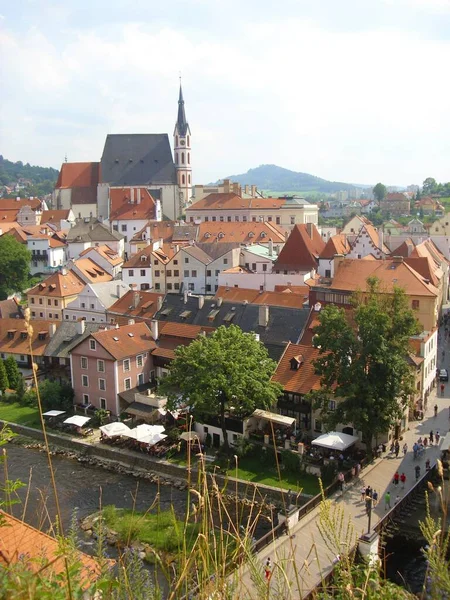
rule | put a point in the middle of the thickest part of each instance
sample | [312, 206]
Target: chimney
[132, 195]
[185, 296]
[263, 315]
[136, 299]
[254, 191]
[119, 291]
[63, 271]
[338, 258]
[219, 301]
[18, 199]
[247, 188]
[309, 229]
[138, 195]
[270, 247]
[159, 302]
[201, 302]
[154, 329]
[131, 321]
[397, 259]
[80, 326]
[51, 329]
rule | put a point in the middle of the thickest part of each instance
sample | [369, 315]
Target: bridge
[302, 560]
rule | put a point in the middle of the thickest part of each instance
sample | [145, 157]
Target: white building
[87, 233]
[202, 264]
[93, 301]
[105, 257]
[47, 253]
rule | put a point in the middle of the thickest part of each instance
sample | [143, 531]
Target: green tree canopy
[363, 365]
[14, 266]
[429, 186]
[379, 191]
[13, 372]
[226, 370]
[4, 383]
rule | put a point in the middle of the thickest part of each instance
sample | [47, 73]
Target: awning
[445, 444]
[150, 429]
[144, 437]
[54, 413]
[189, 436]
[77, 420]
[273, 417]
[141, 410]
[335, 440]
[113, 429]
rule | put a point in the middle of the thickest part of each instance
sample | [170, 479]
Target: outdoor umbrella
[188, 436]
[54, 413]
[113, 429]
[77, 420]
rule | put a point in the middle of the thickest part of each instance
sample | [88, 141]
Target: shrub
[291, 461]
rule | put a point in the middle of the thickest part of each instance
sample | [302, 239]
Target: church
[131, 163]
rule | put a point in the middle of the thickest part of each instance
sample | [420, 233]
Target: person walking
[268, 570]
[358, 469]
[397, 500]
[403, 480]
[442, 389]
[397, 448]
[387, 500]
[375, 497]
[405, 449]
[417, 470]
[435, 410]
[431, 437]
[415, 450]
[341, 479]
[427, 465]
[363, 493]
[396, 478]
[368, 503]
[438, 437]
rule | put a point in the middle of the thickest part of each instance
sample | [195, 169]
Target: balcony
[39, 257]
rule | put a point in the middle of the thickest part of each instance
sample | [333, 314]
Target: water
[405, 563]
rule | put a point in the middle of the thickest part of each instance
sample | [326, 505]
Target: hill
[277, 179]
[31, 180]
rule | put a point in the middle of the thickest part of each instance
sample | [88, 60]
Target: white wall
[254, 281]
[136, 276]
[83, 211]
[128, 228]
[199, 428]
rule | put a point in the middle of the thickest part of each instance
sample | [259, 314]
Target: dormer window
[296, 362]
[23, 335]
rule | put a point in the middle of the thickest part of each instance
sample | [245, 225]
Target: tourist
[425, 442]
[435, 410]
[417, 470]
[415, 450]
[368, 491]
[403, 480]
[397, 448]
[438, 437]
[431, 437]
[363, 493]
[375, 497]
[396, 478]
[358, 469]
[268, 569]
[380, 450]
[427, 465]
[405, 449]
[341, 479]
[397, 500]
[387, 500]
[368, 502]
[392, 448]
[442, 389]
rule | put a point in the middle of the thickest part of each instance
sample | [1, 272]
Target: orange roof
[14, 339]
[240, 295]
[158, 230]
[395, 196]
[302, 249]
[106, 252]
[54, 216]
[243, 233]
[54, 243]
[303, 379]
[126, 341]
[164, 352]
[142, 259]
[182, 330]
[352, 274]
[90, 270]
[337, 244]
[8, 216]
[13, 204]
[59, 285]
[21, 542]
[293, 289]
[144, 307]
[123, 208]
[76, 175]
[230, 201]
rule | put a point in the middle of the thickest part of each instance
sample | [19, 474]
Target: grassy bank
[22, 415]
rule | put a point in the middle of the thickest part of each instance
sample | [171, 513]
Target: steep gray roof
[137, 159]
[66, 337]
[106, 291]
[182, 124]
[91, 230]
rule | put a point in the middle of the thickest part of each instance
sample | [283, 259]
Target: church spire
[182, 123]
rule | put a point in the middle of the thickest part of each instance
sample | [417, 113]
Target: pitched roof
[59, 285]
[123, 208]
[8, 216]
[134, 305]
[337, 244]
[231, 201]
[10, 308]
[90, 272]
[91, 230]
[158, 230]
[137, 159]
[302, 249]
[303, 379]
[55, 216]
[105, 252]
[197, 253]
[66, 337]
[78, 175]
[126, 341]
[240, 295]
[183, 330]
[14, 204]
[142, 259]
[242, 233]
[14, 339]
[182, 124]
[21, 542]
[351, 275]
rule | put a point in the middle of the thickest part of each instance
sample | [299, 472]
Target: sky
[350, 90]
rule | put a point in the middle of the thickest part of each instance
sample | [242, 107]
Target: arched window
[176, 157]
[176, 143]
[183, 180]
[182, 158]
[189, 158]
[188, 140]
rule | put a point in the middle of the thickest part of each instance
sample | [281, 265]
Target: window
[142, 272]
[292, 220]
[415, 304]
[103, 403]
[186, 273]
[55, 302]
[127, 383]
[85, 398]
[189, 158]
[124, 228]
[42, 315]
[92, 344]
[84, 381]
[182, 158]
[264, 267]
[176, 286]
[186, 260]
[126, 365]
[183, 180]
[208, 287]
[102, 384]
[84, 362]
[221, 219]
[205, 429]
[253, 266]
[206, 219]
[176, 273]
[156, 273]
[33, 313]
[22, 358]
[155, 262]
[32, 300]
[214, 219]
[327, 272]
[236, 218]
[229, 219]
[101, 366]
[194, 273]
[191, 287]
[217, 272]
[40, 301]
[208, 273]
[49, 302]
[92, 306]
[317, 425]
[50, 315]
[277, 220]
[244, 219]
[131, 272]
[115, 227]
[253, 219]
[169, 273]
[225, 261]
[269, 219]
[157, 286]
[175, 262]
[83, 305]
[169, 286]
[140, 360]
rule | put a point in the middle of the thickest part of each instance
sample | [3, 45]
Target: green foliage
[364, 366]
[20, 389]
[328, 472]
[226, 371]
[291, 461]
[55, 396]
[13, 372]
[4, 381]
[430, 186]
[101, 416]
[379, 191]
[14, 266]
[42, 179]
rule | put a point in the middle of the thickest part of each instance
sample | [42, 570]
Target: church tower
[182, 154]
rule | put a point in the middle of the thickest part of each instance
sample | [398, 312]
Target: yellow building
[48, 298]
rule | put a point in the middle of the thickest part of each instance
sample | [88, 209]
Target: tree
[20, 389]
[4, 383]
[55, 396]
[14, 266]
[13, 372]
[228, 370]
[379, 191]
[363, 365]
[429, 185]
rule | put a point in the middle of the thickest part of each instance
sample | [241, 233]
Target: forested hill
[36, 181]
[277, 179]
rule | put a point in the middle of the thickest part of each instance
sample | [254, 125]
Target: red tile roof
[14, 339]
[158, 230]
[303, 379]
[139, 305]
[8, 216]
[182, 330]
[91, 271]
[58, 285]
[337, 244]
[302, 249]
[126, 341]
[54, 216]
[243, 233]
[78, 175]
[14, 204]
[230, 201]
[105, 252]
[240, 295]
[123, 209]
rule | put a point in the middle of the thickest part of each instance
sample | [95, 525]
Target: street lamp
[369, 513]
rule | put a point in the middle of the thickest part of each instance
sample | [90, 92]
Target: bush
[242, 447]
[291, 461]
[101, 416]
[208, 440]
[328, 472]
[173, 435]
[268, 456]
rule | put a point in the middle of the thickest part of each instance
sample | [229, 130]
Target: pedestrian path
[305, 547]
